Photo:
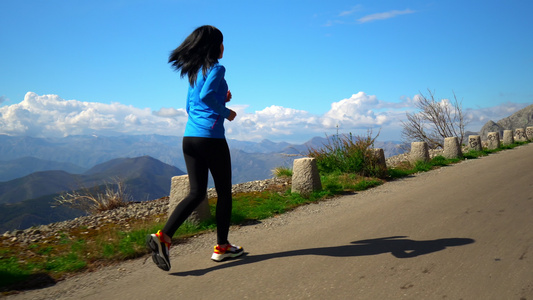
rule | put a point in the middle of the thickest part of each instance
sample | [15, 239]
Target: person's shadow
[398, 246]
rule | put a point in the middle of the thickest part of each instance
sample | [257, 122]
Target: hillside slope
[33, 212]
[28, 201]
[38, 184]
[520, 119]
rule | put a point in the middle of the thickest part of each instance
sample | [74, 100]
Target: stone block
[452, 149]
[508, 137]
[474, 142]
[381, 163]
[179, 189]
[520, 135]
[529, 133]
[305, 176]
[493, 140]
[419, 152]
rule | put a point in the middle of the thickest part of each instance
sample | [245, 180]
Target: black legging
[203, 155]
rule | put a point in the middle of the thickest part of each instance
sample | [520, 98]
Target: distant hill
[34, 212]
[265, 146]
[520, 119]
[26, 165]
[27, 201]
[38, 184]
[256, 166]
[146, 178]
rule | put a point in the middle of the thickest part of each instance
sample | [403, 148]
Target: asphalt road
[460, 232]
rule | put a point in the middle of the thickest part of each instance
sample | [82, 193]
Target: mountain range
[22, 155]
[29, 200]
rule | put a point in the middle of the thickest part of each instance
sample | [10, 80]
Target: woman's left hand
[232, 115]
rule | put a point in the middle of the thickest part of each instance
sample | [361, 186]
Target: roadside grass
[282, 171]
[83, 249]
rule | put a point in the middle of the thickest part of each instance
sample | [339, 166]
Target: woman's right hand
[228, 96]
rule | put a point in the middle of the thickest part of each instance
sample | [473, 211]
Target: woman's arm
[210, 88]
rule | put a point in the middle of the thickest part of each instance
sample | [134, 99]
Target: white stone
[419, 152]
[520, 135]
[493, 139]
[508, 137]
[379, 154]
[529, 133]
[452, 149]
[474, 142]
[179, 189]
[305, 176]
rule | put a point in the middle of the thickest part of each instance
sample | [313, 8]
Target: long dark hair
[201, 49]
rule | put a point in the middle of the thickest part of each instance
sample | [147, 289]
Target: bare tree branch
[435, 121]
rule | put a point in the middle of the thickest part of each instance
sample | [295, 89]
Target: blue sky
[296, 69]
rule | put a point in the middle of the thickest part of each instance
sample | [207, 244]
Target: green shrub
[348, 154]
[282, 172]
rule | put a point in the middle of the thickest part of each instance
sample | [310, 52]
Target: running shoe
[229, 251]
[160, 250]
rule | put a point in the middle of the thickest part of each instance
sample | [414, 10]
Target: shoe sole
[221, 257]
[157, 252]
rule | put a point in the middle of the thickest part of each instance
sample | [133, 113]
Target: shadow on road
[398, 246]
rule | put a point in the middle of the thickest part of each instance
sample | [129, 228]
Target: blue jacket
[206, 104]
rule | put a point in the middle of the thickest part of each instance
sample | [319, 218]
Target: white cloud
[356, 114]
[342, 17]
[273, 121]
[51, 116]
[350, 11]
[384, 15]
[477, 117]
[170, 112]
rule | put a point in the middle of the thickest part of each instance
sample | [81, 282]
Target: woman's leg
[197, 169]
[201, 155]
[220, 166]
